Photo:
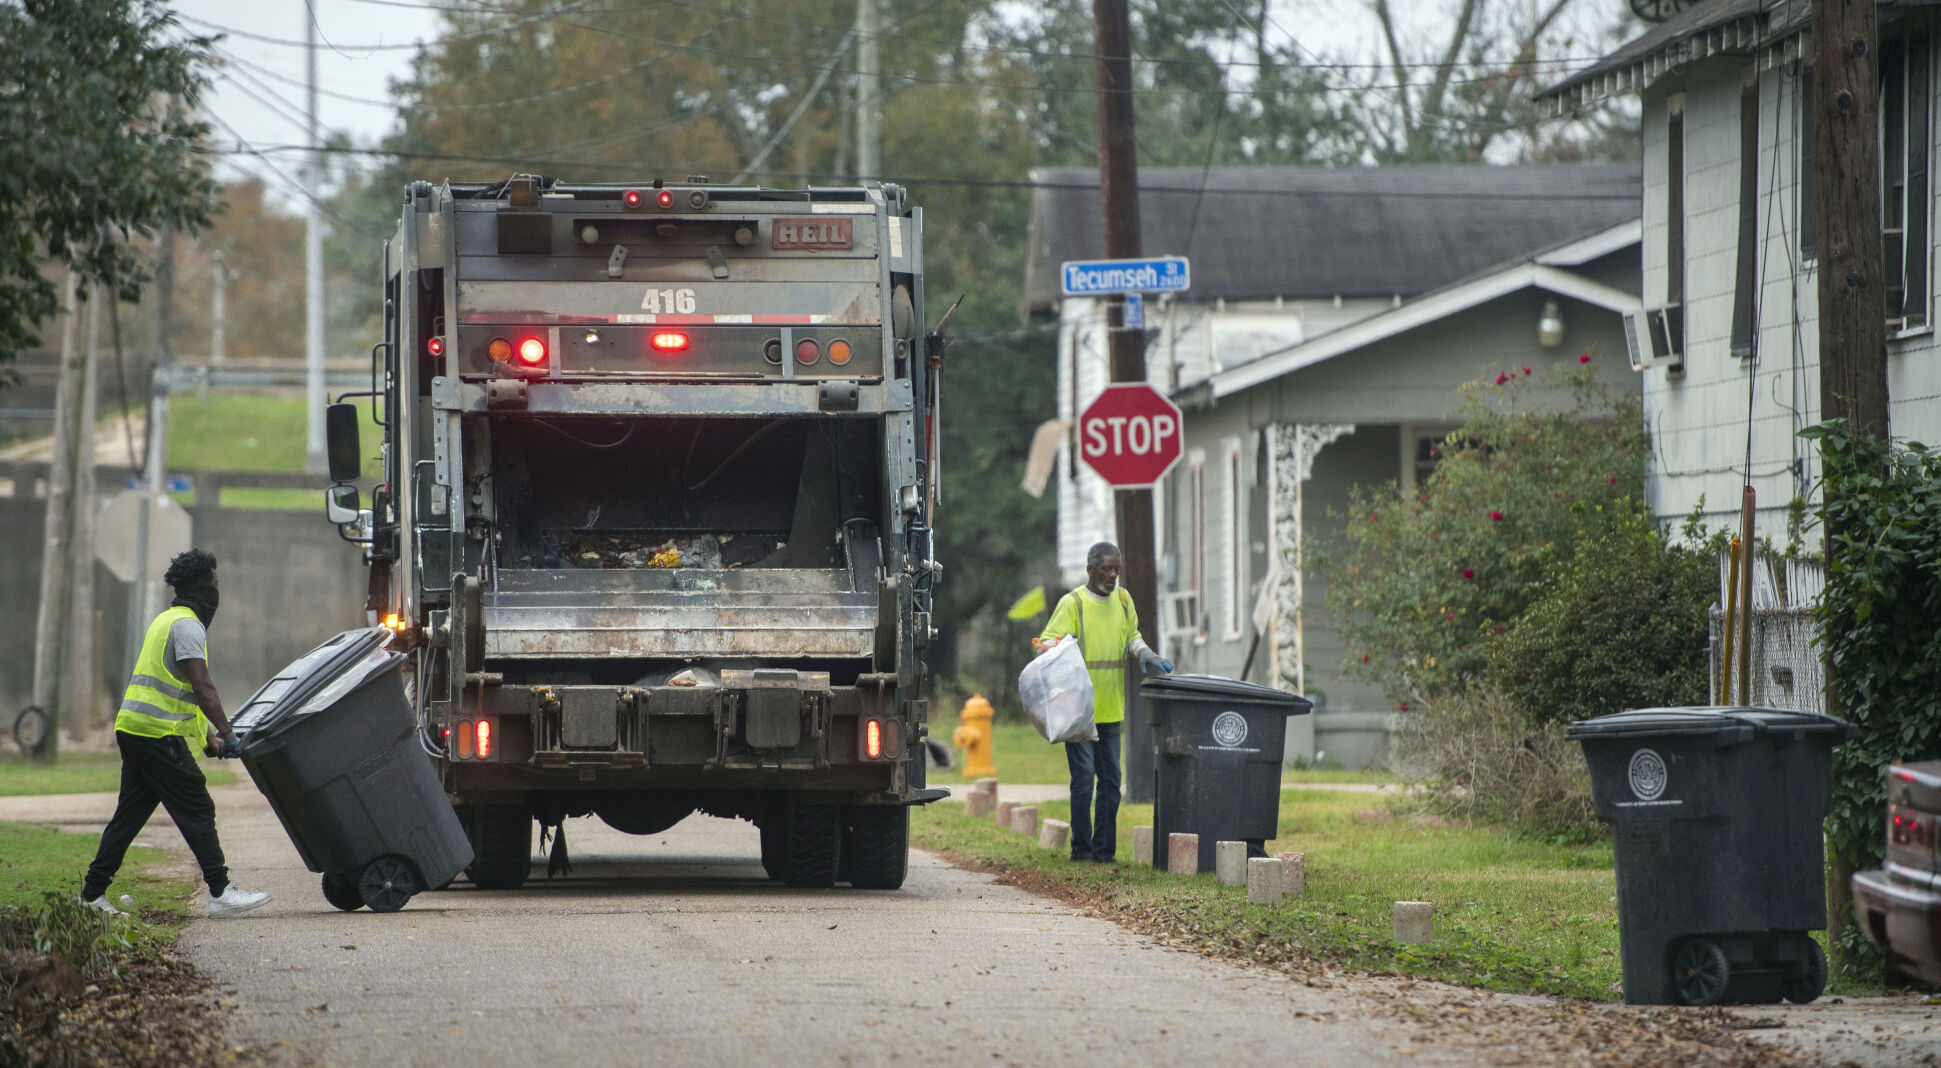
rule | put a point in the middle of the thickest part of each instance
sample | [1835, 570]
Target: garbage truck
[653, 514]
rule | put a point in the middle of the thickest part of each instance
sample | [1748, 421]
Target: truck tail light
[435, 346]
[806, 351]
[484, 730]
[532, 352]
[879, 739]
[631, 198]
[668, 341]
[465, 739]
[664, 198]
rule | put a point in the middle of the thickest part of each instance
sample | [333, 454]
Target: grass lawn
[1021, 755]
[1511, 914]
[83, 773]
[37, 859]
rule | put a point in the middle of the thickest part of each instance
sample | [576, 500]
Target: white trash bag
[1057, 693]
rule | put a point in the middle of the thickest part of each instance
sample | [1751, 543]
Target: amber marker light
[839, 352]
[499, 349]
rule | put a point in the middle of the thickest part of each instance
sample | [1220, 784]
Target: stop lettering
[1130, 435]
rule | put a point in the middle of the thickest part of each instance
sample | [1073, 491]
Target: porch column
[1295, 447]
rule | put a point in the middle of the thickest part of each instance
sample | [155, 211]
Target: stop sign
[1131, 435]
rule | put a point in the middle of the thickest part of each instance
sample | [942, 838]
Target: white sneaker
[235, 899]
[100, 904]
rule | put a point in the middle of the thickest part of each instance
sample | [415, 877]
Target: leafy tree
[1426, 578]
[99, 143]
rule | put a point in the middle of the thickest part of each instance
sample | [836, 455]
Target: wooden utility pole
[1119, 206]
[1852, 292]
[1846, 177]
[869, 91]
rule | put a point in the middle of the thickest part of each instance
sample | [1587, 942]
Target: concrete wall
[288, 582]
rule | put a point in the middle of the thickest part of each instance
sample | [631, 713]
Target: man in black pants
[170, 700]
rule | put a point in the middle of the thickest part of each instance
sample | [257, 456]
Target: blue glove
[1150, 661]
[231, 746]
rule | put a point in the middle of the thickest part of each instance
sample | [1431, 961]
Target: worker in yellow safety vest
[170, 700]
[1100, 615]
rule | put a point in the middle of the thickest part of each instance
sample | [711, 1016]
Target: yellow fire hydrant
[974, 738]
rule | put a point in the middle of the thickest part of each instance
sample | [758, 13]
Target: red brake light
[435, 346]
[485, 739]
[631, 198]
[532, 352]
[668, 341]
[665, 198]
[806, 351]
[874, 743]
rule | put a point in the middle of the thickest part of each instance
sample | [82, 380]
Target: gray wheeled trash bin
[1217, 748]
[333, 744]
[1715, 818]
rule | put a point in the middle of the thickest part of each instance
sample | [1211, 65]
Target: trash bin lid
[1745, 722]
[1220, 688]
[337, 666]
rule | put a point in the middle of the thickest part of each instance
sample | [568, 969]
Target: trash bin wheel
[1801, 989]
[811, 844]
[876, 846]
[342, 892]
[1700, 972]
[387, 883]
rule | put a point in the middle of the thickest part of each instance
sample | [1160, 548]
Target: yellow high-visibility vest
[157, 704]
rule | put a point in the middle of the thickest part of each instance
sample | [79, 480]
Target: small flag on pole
[1029, 605]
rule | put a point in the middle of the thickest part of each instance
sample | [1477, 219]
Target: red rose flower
[1526, 369]
[1502, 378]
[1496, 517]
[1469, 572]
[1585, 358]
[1613, 480]
[1364, 658]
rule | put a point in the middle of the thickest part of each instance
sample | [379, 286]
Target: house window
[1747, 280]
[1675, 224]
[1196, 538]
[1808, 247]
[1236, 523]
[1904, 66]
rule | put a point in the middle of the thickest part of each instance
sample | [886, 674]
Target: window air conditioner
[1655, 337]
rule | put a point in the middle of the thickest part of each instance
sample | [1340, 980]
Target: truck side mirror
[340, 504]
[340, 436]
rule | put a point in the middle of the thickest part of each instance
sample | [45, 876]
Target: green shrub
[1621, 622]
[1426, 577]
[63, 928]
[1882, 514]
[1482, 761]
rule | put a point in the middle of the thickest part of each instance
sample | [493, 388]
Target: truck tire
[876, 846]
[501, 846]
[771, 830]
[811, 844]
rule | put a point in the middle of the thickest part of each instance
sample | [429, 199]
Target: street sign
[118, 528]
[1086, 278]
[1135, 312]
[1131, 435]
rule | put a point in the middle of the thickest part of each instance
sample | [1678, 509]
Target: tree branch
[1465, 19]
[1399, 64]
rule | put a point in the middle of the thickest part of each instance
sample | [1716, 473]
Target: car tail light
[631, 198]
[435, 346]
[484, 729]
[806, 351]
[839, 352]
[465, 739]
[532, 352]
[668, 341]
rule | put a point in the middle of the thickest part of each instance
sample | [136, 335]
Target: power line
[988, 183]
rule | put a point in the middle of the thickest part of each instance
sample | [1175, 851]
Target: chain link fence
[1785, 669]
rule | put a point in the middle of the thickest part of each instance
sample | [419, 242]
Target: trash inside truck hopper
[654, 518]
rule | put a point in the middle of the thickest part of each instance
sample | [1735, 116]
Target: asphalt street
[675, 948]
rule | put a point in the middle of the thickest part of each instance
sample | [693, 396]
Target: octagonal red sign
[1131, 435]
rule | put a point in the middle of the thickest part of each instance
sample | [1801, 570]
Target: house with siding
[1334, 314]
[1728, 339]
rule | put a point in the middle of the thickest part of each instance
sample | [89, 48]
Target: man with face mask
[170, 699]
[1100, 615]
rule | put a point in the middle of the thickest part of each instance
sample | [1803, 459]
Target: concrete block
[1004, 810]
[977, 804]
[1414, 922]
[1024, 819]
[1183, 853]
[1293, 873]
[1230, 863]
[1142, 845]
[1263, 881]
[989, 786]
[1055, 834]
